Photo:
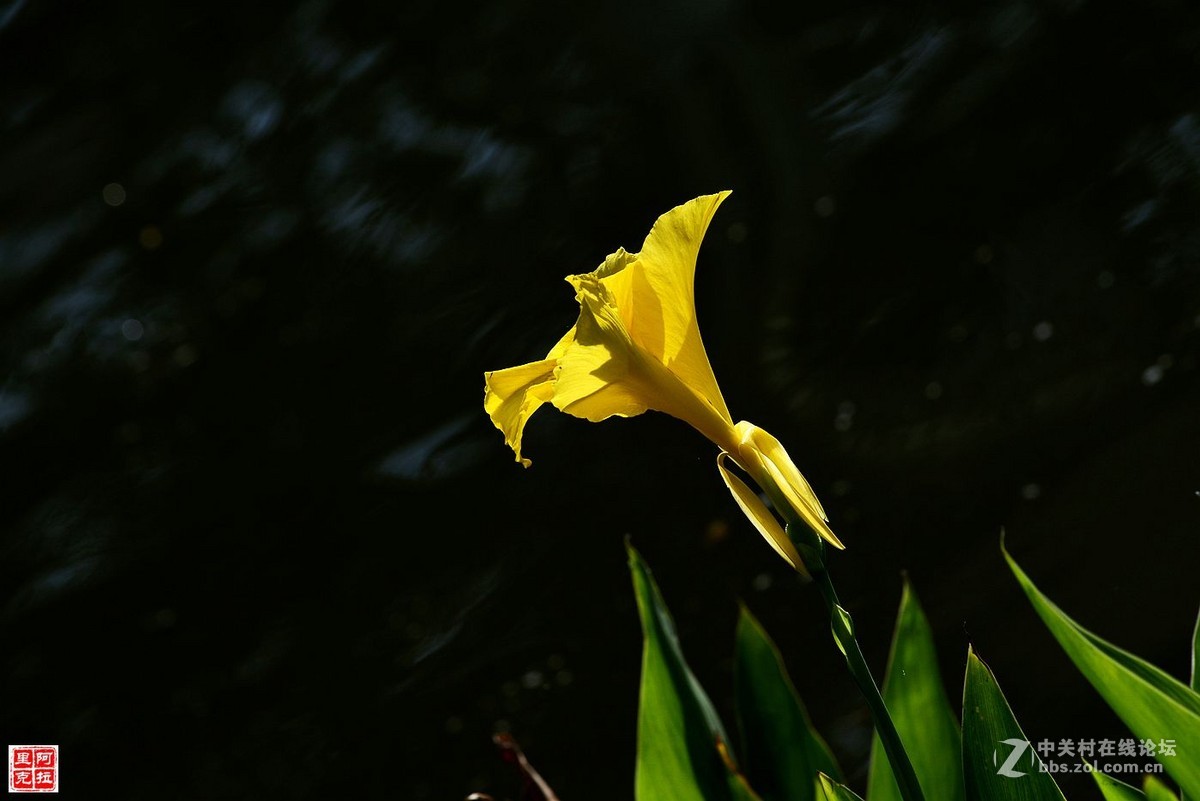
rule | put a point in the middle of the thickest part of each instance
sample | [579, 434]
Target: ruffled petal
[595, 377]
[512, 396]
[757, 513]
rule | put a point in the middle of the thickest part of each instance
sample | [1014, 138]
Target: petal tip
[761, 518]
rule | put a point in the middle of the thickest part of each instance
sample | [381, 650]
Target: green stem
[847, 641]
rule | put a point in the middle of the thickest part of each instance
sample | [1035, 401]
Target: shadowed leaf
[782, 750]
[999, 763]
[683, 751]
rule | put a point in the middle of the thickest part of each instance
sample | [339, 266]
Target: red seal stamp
[33, 768]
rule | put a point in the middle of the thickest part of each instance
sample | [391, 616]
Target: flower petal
[655, 293]
[595, 376]
[511, 396]
[758, 514]
[758, 446]
[605, 373]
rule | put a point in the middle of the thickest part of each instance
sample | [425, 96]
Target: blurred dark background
[258, 538]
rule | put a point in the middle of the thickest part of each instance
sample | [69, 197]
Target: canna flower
[637, 346]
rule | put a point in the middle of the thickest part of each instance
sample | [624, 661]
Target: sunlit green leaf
[916, 698]
[1157, 791]
[999, 762]
[1114, 790]
[832, 791]
[782, 751]
[683, 751]
[1152, 704]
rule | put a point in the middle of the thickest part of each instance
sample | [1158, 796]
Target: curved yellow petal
[605, 373]
[636, 345]
[757, 513]
[764, 457]
[511, 396]
[654, 290]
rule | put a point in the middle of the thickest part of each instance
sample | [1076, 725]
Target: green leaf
[916, 698]
[782, 750]
[991, 736]
[1114, 790]
[683, 751]
[1196, 655]
[832, 791]
[1157, 791]
[1152, 704]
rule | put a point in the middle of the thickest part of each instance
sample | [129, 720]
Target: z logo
[1019, 747]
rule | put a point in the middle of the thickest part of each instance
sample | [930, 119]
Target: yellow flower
[636, 346]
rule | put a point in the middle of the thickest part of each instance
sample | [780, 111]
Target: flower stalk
[812, 550]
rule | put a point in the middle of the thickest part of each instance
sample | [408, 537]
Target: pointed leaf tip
[1114, 790]
[926, 721]
[1153, 704]
[833, 791]
[783, 751]
[990, 733]
[1157, 791]
[679, 733]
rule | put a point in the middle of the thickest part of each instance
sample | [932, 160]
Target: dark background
[258, 538]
